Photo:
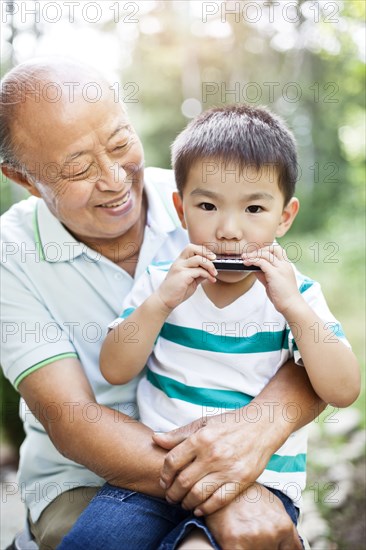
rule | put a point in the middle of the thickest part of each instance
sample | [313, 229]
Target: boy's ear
[288, 215]
[178, 203]
[21, 179]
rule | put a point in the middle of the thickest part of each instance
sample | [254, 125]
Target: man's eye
[77, 175]
[119, 147]
[80, 174]
[207, 206]
[128, 140]
[254, 209]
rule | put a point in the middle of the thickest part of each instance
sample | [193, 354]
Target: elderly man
[71, 252]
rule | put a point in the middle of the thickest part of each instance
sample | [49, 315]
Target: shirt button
[118, 276]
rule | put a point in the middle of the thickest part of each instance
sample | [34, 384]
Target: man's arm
[121, 451]
[116, 447]
[232, 449]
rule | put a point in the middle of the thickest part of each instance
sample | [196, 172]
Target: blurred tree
[306, 66]
[305, 61]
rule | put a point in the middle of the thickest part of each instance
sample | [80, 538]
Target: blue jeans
[118, 519]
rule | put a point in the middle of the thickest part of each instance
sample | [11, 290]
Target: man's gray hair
[10, 98]
[24, 82]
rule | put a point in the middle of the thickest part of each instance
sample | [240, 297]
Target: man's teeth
[114, 205]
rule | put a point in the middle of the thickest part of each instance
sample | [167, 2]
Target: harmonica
[233, 263]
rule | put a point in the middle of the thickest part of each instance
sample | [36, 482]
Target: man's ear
[288, 215]
[20, 178]
[178, 203]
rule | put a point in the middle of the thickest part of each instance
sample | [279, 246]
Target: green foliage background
[313, 63]
[304, 59]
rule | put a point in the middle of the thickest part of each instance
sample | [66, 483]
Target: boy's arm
[124, 356]
[331, 365]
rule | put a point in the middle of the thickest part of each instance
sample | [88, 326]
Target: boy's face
[232, 211]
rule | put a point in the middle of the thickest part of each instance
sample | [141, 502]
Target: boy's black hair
[239, 134]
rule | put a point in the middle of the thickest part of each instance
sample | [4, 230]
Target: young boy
[211, 339]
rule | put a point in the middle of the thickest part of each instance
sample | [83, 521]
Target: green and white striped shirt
[209, 360]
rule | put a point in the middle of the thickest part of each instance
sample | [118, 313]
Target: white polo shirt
[57, 298]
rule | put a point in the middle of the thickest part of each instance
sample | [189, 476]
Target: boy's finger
[195, 249]
[277, 251]
[200, 261]
[200, 272]
[207, 252]
[202, 250]
[265, 253]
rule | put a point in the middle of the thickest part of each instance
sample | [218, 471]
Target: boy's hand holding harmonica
[321, 350]
[192, 267]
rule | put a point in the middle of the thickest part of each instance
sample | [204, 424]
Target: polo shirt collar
[56, 244]
[161, 214]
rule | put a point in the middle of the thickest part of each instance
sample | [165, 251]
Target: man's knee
[60, 515]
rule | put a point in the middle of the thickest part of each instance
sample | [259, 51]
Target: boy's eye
[254, 209]
[207, 206]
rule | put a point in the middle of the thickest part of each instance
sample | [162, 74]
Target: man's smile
[117, 202]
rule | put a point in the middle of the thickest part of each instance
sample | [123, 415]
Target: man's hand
[199, 454]
[249, 522]
[221, 458]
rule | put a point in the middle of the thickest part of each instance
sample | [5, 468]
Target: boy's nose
[229, 229]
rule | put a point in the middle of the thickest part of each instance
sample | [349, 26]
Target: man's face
[87, 162]
[232, 211]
